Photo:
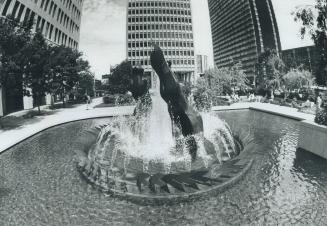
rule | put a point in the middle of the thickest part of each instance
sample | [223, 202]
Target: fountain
[166, 150]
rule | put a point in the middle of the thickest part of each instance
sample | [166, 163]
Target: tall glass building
[242, 30]
[167, 23]
[58, 20]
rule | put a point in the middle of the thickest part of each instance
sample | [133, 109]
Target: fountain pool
[39, 183]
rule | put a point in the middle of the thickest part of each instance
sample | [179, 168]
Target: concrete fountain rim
[142, 199]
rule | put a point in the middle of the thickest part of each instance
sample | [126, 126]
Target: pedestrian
[88, 101]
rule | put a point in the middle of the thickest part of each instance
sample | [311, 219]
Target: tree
[36, 74]
[313, 19]
[270, 70]
[14, 36]
[119, 80]
[202, 95]
[297, 79]
[238, 78]
[65, 69]
[217, 82]
[86, 84]
[224, 81]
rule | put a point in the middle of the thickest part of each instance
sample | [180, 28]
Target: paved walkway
[10, 138]
[269, 108]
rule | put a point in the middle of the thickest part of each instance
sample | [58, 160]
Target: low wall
[1, 103]
[313, 138]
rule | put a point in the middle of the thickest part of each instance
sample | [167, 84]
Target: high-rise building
[242, 30]
[59, 21]
[201, 64]
[167, 23]
[306, 57]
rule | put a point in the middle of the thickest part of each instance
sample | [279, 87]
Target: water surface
[39, 183]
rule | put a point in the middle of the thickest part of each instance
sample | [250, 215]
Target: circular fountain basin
[145, 181]
[179, 187]
[40, 185]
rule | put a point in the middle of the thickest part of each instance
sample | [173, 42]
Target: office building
[59, 22]
[201, 64]
[242, 30]
[305, 57]
[167, 23]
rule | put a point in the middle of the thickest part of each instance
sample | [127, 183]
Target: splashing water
[147, 144]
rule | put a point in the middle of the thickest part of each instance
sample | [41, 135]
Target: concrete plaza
[9, 138]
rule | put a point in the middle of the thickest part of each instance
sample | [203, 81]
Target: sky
[103, 30]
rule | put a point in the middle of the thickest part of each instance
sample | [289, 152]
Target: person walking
[88, 101]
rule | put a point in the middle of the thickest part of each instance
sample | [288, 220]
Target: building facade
[59, 21]
[305, 57]
[201, 64]
[167, 23]
[242, 30]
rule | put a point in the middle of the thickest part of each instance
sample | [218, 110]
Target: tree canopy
[119, 79]
[28, 60]
[270, 69]
[313, 19]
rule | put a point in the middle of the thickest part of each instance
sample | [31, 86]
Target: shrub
[110, 99]
[321, 117]
[123, 99]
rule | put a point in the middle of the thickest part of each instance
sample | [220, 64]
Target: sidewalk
[268, 108]
[39, 123]
[11, 137]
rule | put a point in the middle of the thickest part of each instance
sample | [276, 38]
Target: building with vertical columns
[242, 30]
[201, 64]
[306, 57]
[167, 23]
[59, 22]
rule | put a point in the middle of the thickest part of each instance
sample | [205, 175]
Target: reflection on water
[39, 183]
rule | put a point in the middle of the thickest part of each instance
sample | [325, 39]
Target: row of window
[163, 44]
[143, 20]
[153, 35]
[68, 3]
[183, 4]
[174, 62]
[54, 34]
[62, 17]
[18, 9]
[181, 12]
[159, 27]
[46, 28]
[166, 52]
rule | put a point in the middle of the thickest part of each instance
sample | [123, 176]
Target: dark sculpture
[183, 115]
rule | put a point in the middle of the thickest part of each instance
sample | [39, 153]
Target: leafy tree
[86, 84]
[119, 80]
[270, 70]
[65, 69]
[297, 78]
[223, 81]
[313, 19]
[218, 82]
[238, 78]
[202, 95]
[13, 38]
[36, 77]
